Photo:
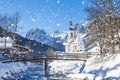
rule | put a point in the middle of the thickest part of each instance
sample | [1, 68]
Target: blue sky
[49, 15]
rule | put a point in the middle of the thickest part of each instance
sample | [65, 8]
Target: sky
[49, 15]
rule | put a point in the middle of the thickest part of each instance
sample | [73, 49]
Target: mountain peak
[41, 36]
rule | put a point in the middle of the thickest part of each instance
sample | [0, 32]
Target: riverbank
[65, 67]
[96, 68]
[107, 67]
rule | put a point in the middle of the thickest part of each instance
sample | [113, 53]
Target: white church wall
[77, 48]
[67, 49]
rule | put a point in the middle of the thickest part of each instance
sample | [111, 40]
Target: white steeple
[71, 33]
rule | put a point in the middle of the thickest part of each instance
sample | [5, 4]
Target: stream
[33, 73]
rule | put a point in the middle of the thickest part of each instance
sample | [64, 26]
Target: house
[74, 42]
[21, 49]
[7, 45]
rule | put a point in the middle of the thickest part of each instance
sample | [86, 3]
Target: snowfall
[7, 69]
[95, 68]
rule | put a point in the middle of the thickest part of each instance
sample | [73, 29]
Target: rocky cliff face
[54, 40]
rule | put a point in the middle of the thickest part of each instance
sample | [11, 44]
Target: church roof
[78, 40]
[69, 42]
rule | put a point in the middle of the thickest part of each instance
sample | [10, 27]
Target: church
[74, 41]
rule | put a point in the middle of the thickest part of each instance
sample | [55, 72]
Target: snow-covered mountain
[60, 36]
[40, 36]
[80, 28]
[55, 40]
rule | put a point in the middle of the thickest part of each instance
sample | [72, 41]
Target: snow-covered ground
[7, 68]
[107, 67]
[65, 67]
[96, 68]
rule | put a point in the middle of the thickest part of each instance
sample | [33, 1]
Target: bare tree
[13, 22]
[9, 24]
[105, 21]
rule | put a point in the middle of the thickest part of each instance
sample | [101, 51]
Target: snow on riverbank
[96, 68]
[65, 67]
[81, 76]
[7, 68]
[107, 67]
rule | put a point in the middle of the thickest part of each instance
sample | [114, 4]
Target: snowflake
[54, 14]
[58, 25]
[114, 3]
[33, 20]
[58, 1]
[28, 12]
[12, 24]
[83, 2]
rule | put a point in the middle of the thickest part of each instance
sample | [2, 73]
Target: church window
[80, 50]
[75, 47]
[117, 42]
[71, 35]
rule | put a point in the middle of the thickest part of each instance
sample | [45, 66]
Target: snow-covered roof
[8, 40]
[69, 42]
[83, 36]
[78, 40]
[94, 50]
[20, 46]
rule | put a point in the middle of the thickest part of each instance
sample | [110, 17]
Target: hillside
[41, 36]
[107, 67]
[95, 68]
[35, 46]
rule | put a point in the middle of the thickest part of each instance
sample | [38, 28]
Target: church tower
[71, 33]
[74, 43]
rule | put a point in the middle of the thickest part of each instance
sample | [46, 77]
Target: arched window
[71, 35]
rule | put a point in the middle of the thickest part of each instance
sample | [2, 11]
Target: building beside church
[74, 42]
[7, 45]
